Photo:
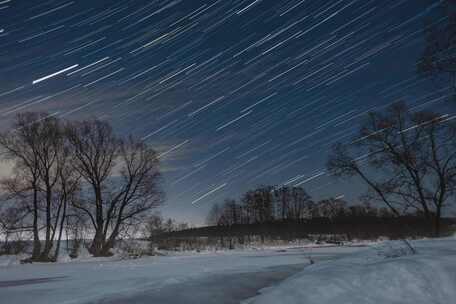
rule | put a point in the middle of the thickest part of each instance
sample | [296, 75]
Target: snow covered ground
[379, 273]
[382, 274]
[212, 277]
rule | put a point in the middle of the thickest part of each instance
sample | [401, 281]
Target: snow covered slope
[383, 274]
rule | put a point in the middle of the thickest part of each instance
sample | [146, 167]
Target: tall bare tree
[408, 161]
[35, 144]
[50, 146]
[122, 178]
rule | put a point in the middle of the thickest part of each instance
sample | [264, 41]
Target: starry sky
[233, 94]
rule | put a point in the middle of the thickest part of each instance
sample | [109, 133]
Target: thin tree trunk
[59, 238]
[36, 237]
[48, 242]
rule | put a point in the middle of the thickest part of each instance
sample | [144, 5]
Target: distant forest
[289, 213]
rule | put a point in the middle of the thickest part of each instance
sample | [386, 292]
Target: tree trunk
[36, 237]
[100, 246]
[59, 238]
[44, 256]
[97, 243]
[437, 221]
[107, 246]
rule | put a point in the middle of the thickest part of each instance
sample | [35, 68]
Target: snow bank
[386, 273]
[121, 251]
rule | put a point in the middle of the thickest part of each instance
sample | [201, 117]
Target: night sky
[233, 94]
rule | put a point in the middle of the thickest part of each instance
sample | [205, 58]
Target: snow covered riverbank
[384, 273]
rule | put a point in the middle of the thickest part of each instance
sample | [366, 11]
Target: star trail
[233, 94]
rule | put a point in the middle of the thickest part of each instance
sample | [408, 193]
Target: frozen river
[222, 277]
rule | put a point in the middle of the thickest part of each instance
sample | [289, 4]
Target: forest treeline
[289, 213]
[286, 204]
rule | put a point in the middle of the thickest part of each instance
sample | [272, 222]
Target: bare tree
[331, 208]
[410, 159]
[282, 197]
[35, 144]
[231, 213]
[50, 139]
[292, 203]
[300, 204]
[122, 177]
[259, 204]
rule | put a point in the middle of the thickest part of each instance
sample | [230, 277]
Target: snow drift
[386, 273]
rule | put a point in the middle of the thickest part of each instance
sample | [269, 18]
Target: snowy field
[379, 273]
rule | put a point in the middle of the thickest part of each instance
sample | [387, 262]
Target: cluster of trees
[268, 204]
[275, 214]
[74, 176]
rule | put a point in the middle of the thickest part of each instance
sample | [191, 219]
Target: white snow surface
[90, 280]
[381, 274]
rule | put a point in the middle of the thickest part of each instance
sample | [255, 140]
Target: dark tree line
[289, 213]
[74, 176]
[268, 204]
[408, 160]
